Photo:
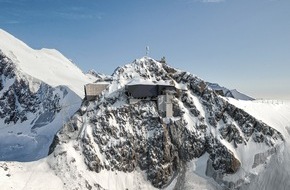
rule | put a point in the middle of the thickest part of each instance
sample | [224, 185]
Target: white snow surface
[47, 65]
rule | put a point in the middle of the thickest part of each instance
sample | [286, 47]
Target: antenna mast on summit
[147, 50]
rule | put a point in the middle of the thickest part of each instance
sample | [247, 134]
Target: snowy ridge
[98, 77]
[273, 112]
[47, 65]
[240, 96]
[275, 174]
[230, 93]
[39, 91]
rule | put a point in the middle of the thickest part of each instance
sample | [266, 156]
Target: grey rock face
[17, 99]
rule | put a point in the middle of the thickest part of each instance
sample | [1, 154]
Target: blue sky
[242, 44]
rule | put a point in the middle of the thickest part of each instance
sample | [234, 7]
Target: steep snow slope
[28, 175]
[276, 173]
[47, 65]
[39, 91]
[275, 113]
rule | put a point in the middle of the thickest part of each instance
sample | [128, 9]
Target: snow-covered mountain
[229, 93]
[99, 76]
[39, 91]
[210, 142]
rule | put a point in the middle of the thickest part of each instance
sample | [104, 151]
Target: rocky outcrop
[18, 100]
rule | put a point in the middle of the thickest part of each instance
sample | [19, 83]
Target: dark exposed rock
[223, 159]
[18, 100]
[54, 143]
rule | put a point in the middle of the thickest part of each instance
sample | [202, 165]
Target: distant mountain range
[229, 93]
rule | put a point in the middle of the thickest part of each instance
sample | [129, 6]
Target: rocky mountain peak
[113, 133]
[145, 68]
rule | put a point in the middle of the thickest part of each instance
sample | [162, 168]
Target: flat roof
[103, 82]
[148, 82]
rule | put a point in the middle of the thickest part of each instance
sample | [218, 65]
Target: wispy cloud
[19, 13]
[9, 22]
[204, 1]
[5, 1]
[76, 16]
[77, 13]
[212, 1]
[9, 15]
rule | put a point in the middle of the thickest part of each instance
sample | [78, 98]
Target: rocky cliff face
[31, 111]
[19, 98]
[39, 91]
[112, 135]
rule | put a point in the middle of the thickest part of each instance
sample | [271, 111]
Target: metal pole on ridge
[147, 50]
